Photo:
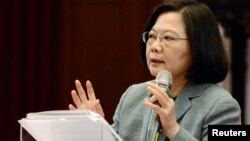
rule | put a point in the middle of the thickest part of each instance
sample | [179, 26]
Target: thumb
[71, 107]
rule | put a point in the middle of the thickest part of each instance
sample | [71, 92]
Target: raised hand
[83, 101]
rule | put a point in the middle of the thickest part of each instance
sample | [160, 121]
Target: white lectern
[66, 125]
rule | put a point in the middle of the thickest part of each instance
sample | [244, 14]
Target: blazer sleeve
[116, 116]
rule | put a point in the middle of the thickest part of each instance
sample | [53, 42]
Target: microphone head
[164, 78]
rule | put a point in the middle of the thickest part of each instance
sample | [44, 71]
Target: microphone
[163, 80]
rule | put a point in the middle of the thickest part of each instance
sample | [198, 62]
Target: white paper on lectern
[65, 125]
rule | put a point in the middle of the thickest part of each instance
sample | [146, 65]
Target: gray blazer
[198, 106]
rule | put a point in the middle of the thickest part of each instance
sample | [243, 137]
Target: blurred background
[46, 44]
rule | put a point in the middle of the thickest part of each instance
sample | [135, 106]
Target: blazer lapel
[182, 102]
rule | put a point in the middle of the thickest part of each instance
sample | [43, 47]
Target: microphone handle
[153, 127]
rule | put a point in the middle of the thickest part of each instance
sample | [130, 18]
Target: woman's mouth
[156, 61]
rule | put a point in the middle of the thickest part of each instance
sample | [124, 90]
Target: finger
[157, 88]
[96, 103]
[76, 98]
[158, 95]
[152, 99]
[71, 107]
[99, 108]
[90, 91]
[81, 91]
[152, 106]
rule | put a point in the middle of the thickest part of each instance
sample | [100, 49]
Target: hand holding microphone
[163, 106]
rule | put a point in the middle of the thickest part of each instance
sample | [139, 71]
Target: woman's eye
[152, 36]
[169, 38]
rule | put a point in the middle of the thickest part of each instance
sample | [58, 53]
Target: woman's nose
[156, 46]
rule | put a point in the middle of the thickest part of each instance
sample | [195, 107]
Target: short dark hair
[209, 60]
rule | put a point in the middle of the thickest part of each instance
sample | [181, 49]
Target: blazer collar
[182, 102]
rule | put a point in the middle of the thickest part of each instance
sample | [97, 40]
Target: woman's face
[171, 51]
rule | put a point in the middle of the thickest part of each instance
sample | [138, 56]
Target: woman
[183, 38]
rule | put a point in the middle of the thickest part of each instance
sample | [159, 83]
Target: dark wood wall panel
[100, 42]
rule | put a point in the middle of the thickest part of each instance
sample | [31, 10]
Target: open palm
[83, 101]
